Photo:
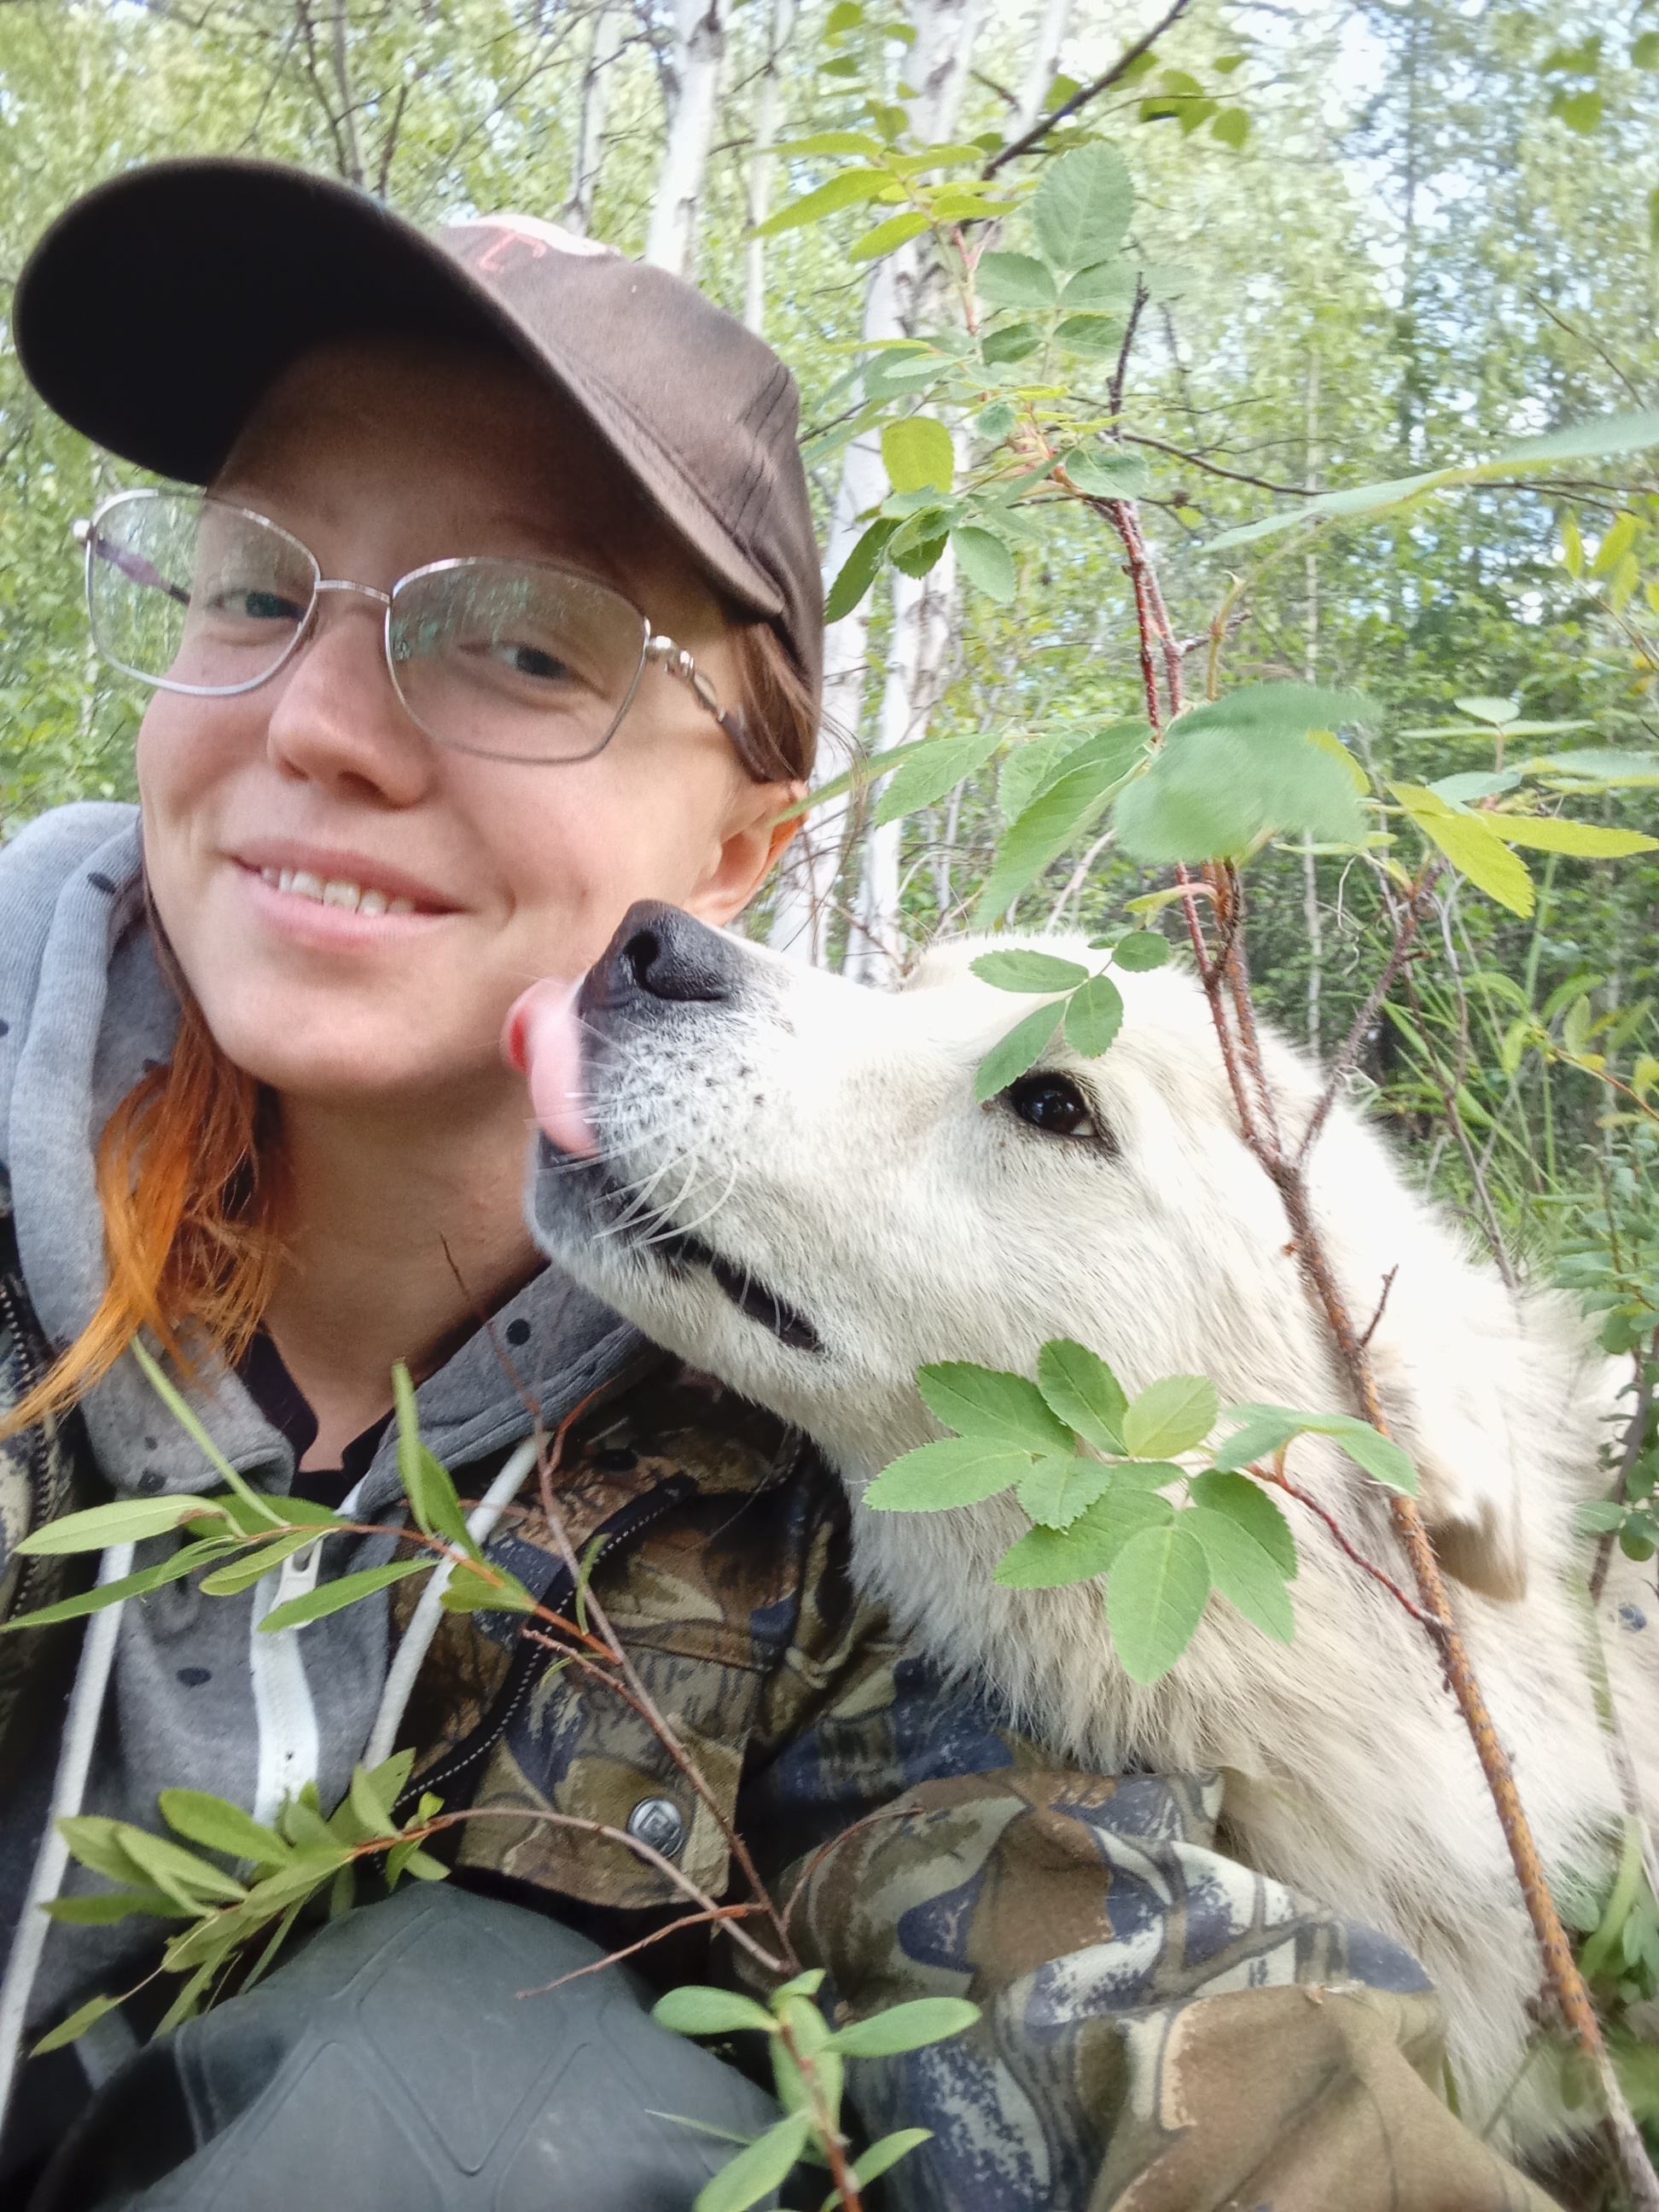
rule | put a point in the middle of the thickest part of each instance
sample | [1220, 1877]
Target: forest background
[1377, 236]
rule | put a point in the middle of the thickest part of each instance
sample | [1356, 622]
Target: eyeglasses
[518, 660]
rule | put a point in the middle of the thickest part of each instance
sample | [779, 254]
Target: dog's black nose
[663, 953]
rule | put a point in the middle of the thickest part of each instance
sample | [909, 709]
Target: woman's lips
[312, 917]
[339, 876]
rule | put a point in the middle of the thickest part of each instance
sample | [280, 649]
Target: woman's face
[381, 458]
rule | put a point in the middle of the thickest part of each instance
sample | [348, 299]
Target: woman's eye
[1052, 1105]
[532, 660]
[258, 606]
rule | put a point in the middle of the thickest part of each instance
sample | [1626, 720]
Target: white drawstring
[73, 1763]
[417, 1637]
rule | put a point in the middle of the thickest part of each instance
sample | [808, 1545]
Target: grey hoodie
[199, 1701]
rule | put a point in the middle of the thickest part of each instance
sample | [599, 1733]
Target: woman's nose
[336, 719]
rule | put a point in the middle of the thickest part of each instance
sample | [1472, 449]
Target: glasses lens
[190, 592]
[514, 658]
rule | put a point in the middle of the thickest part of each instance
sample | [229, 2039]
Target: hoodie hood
[204, 1700]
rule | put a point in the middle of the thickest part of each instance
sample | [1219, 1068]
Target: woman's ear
[752, 842]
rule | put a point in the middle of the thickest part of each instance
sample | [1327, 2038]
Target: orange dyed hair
[189, 1165]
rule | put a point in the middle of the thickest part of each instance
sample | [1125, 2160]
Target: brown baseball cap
[158, 308]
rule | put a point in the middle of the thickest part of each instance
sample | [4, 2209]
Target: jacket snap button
[659, 1822]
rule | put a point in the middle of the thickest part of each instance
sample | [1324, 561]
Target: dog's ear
[1451, 1420]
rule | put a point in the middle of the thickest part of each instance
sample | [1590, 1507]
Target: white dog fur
[825, 1139]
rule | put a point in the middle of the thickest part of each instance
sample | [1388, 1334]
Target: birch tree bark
[1043, 65]
[604, 46]
[1309, 866]
[937, 66]
[693, 75]
[769, 102]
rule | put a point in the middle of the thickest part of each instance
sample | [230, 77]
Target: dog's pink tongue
[543, 1040]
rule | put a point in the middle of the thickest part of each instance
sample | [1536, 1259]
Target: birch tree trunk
[604, 46]
[1309, 866]
[936, 64]
[768, 100]
[1043, 65]
[693, 93]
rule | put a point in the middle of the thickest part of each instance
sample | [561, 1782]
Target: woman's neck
[403, 1227]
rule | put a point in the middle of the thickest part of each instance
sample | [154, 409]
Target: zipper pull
[297, 1576]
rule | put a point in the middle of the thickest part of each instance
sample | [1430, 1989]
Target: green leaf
[833, 141]
[1094, 1015]
[916, 555]
[334, 1597]
[918, 454]
[995, 422]
[986, 561]
[851, 188]
[1266, 1430]
[223, 1826]
[1170, 1416]
[909, 2026]
[875, 2161]
[696, 2010]
[1472, 845]
[1381, 1457]
[1248, 1504]
[1231, 776]
[1644, 54]
[184, 1561]
[1012, 342]
[254, 1566]
[1155, 1598]
[181, 1873]
[1615, 545]
[128, 1520]
[1548, 833]
[957, 1471]
[1062, 810]
[1107, 287]
[932, 771]
[983, 1401]
[71, 2030]
[1048, 1559]
[478, 1590]
[261, 1507]
[103, 1910]
[427, 1486]
[1059, 1488]
[858, 571]
[1231, 127]
[1140, 950]
[1016, 1053]
[1029, 971]
[1108, 472]
[1602, 768]
[887, 237]
[1082, 1391]
[1247, 1576]
[756, 2171]
[1014, 280]
[1083, 207]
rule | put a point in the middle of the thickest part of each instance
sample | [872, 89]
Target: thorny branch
[1226, 978]
[1636, 1435]
[1125, 62]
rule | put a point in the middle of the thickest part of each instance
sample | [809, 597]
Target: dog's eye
[1052, 1105]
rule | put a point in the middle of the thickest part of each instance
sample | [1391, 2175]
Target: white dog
[786, 1179]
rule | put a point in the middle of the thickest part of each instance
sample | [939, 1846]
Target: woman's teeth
[350, 896]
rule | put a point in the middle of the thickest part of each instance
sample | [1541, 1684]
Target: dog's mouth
[656, 1237]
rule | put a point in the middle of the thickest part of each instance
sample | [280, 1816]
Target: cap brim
[157, 312]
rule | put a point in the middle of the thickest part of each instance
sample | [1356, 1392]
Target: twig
[1125, 62]
[644, 1942]
[1115, 390]
[1342, 1067]
[1387, 1285]
[1563, 1979]
[1635, 1434]
[1433, 1622]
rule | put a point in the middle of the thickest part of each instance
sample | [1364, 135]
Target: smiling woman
[481, 605]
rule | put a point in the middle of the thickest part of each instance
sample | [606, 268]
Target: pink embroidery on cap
[528, 233]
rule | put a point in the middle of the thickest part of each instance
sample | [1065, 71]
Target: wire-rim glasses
[516, 661]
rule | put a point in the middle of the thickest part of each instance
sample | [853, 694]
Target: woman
[504, 612]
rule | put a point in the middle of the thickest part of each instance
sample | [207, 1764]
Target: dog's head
[791, 1184]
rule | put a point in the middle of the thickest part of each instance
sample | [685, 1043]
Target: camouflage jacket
[1161, 2026]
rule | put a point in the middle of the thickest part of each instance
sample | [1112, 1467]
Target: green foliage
[809, 2060]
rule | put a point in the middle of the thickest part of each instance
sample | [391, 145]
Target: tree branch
[1125, 62]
